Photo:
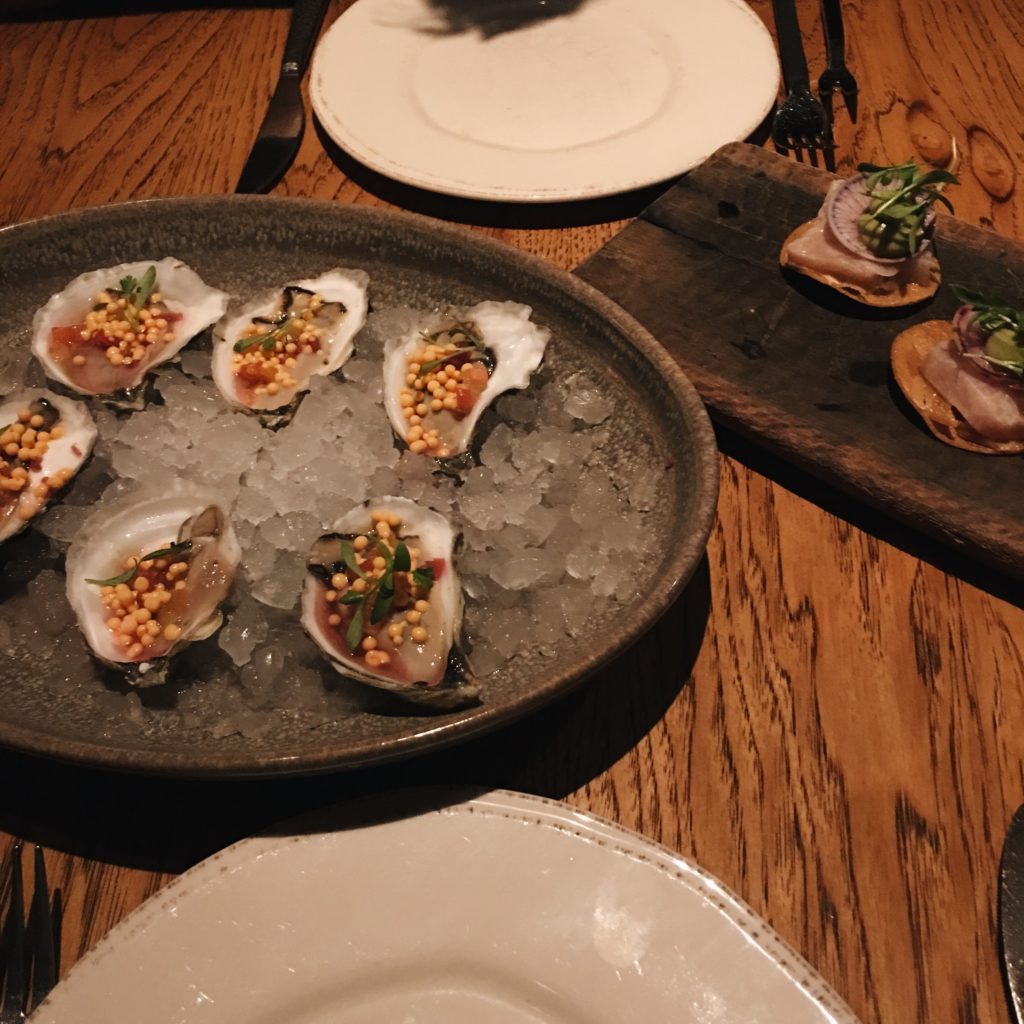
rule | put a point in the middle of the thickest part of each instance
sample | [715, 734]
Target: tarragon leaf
[351, 597]
[354, 636]
[351, 559]
[423, 577]
[129, 574]
[402, 561]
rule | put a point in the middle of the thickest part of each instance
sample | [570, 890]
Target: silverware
[837, 75]
[1011, 911]
[29, 952]
[281, 132]
[800, 123]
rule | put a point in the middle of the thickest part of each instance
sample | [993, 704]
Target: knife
[281, 132]
[1011, 911]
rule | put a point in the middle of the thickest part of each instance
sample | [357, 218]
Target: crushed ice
[550, 534]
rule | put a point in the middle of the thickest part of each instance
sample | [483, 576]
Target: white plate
[615, 95]
[500, 909]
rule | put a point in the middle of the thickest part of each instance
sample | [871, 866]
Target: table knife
[281, 132]
[1011, 911]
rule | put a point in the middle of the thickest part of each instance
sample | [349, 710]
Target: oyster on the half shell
[108, 328]
[383, 602]
[146, 578]
[44, 441]
[440, 377]
[265, 353]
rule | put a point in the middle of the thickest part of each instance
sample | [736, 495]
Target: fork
[836, 75]
[28, 951]
[800, 123]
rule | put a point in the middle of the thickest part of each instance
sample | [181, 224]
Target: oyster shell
[192, 557]
[310, 324]
[464, 362]
[393, 627]
[117, 355]
[52, 443]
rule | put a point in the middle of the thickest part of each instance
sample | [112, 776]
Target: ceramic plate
[534, 101]
[243, 244]
[501, 909]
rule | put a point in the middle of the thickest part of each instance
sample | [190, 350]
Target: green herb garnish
[478, 351]
[350, 559]
[267, 340]
[129, 574]
[901, 197]
[423, 577]
[354, 636]
[1003, 325]
[138, 290]
[379, 596]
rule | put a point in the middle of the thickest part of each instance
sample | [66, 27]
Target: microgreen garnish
[138, 290]
[994, 316]
[991, 314]
[402, 562]
[129, 574]
[350, 559]
[354, 636]
[902, 197]
[423, 577]
[268, 339]
[379, 596]
[477, 350]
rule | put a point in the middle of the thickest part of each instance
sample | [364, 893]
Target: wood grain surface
[829, 720]
[800, 369]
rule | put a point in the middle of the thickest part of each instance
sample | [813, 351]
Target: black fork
[801, 123]
[28, 951]
[837, 75]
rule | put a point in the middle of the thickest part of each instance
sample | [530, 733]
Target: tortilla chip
[908, 353]
[890, 294]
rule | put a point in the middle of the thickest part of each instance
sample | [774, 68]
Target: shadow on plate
[168, 825]
[493, 17]
[488, 213]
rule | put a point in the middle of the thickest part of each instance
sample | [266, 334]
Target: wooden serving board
[798, 368]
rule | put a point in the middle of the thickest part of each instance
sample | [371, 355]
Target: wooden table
[829, 720]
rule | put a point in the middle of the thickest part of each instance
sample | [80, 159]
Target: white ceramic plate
[498, 909]
[610, 96]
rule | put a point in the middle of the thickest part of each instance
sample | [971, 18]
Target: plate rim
[431, 734]
[535, 194]
[423, 801]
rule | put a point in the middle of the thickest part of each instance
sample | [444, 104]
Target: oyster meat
[148, 577]
[439, 378]
[108, 328]
[383, 602]
[44, 441]
[265, 354]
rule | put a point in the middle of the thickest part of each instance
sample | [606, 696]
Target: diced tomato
[66, 335]
[465, 399]
[255, 373]
[459, 359]
[437, 564]
[172, 318]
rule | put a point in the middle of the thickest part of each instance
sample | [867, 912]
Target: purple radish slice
[969, 339]
[843, 208]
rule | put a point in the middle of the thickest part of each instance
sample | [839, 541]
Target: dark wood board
[796, 367]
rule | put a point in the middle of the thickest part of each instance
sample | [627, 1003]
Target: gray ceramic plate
[241, 244]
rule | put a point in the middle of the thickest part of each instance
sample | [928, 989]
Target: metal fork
[28, 951]
[800, 123]
[837, 75]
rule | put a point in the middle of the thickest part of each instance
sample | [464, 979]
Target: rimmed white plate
[496, 909]
[609, 96]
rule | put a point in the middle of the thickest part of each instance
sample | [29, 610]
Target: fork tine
[12, 953]
[41, 935]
